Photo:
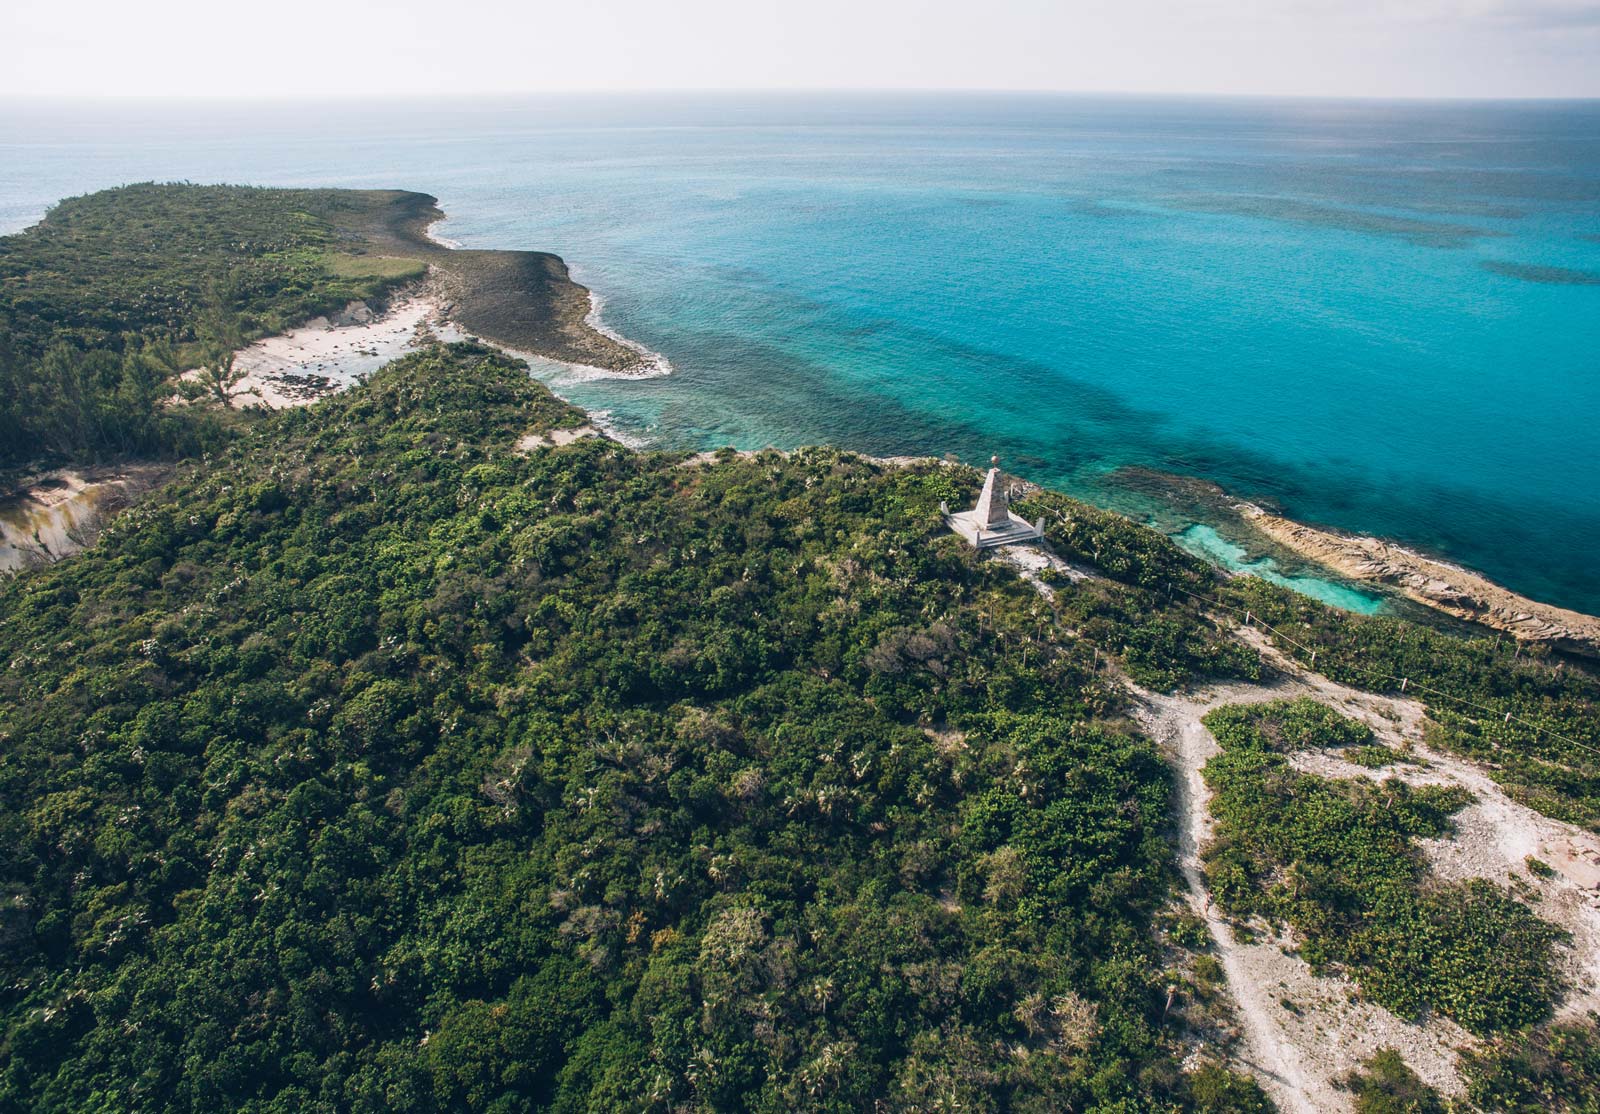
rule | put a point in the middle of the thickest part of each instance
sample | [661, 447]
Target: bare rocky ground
[1438, 584]
[524, 301]
[1032, 560]
[1300, 1032]
[58, 513]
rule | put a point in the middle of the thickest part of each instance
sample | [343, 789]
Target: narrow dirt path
[1175, 725]
[1301, 1032]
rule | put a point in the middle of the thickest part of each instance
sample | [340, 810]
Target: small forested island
[407, 752]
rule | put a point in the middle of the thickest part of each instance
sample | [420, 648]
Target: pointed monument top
[992, 511]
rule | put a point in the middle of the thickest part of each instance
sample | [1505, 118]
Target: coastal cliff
[60, 513]
[421, 744]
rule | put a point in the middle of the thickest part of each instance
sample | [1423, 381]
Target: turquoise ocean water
[1382, 317]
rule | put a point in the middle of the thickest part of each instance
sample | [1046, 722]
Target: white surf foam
[442, 241]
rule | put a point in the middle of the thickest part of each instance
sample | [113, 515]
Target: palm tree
[221, 334]
[220, 339]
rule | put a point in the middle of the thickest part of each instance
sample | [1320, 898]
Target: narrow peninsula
[1434, 583]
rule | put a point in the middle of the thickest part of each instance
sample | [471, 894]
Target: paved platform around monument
[985, 535]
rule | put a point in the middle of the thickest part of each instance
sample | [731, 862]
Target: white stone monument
[991, 522]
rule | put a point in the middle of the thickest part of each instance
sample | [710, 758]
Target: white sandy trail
[1296, 1054]
[1299, 1054]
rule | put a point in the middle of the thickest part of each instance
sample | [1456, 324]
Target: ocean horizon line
[290, 97]
[1311, 306]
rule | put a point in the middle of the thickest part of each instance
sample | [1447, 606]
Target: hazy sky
[1443, 48]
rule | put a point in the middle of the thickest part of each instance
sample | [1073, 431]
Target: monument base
[970, 526]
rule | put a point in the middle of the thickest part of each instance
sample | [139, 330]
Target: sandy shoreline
[442, 241]
[325, 356]
[588, 346]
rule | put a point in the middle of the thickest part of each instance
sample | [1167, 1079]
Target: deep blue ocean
[1383, 317]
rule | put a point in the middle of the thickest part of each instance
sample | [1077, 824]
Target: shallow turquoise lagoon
[1204, 541]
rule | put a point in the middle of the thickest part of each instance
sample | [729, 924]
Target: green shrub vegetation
[1553, 766]
[1216, 1090]
[1337, 861]
[379, 767]
[1539, 868]
[1374, 756]
[376, 766]
[1386, 1085]
[1550, 1071]
[1143, 613]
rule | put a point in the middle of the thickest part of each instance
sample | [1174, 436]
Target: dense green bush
[1142, 610]
[380, 767]
[1386, 1085]
[1554, 1070]
[109, 296]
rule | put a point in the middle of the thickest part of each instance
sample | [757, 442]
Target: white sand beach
[325, 355]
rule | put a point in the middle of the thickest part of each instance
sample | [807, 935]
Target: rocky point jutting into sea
[1438, 584]
[521, 300]
[424, 749]
[526, 302]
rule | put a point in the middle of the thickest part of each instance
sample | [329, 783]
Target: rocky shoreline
[525, 301]
[1406, 575]
[1445, 587]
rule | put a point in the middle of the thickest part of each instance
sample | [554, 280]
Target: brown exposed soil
[56, 514]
